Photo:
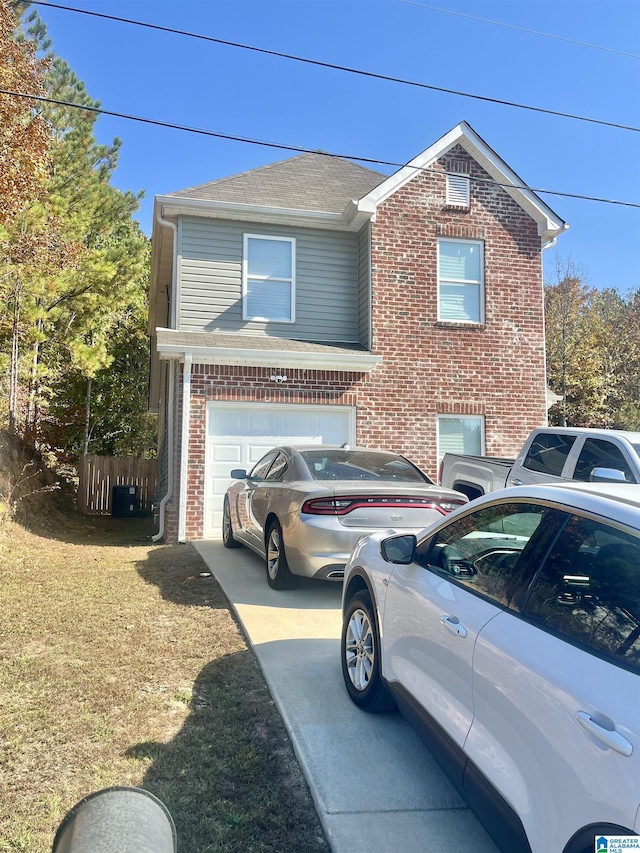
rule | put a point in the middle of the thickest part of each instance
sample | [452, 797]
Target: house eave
[174, 206]
[275, 359]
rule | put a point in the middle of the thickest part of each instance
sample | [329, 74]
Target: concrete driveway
[375, 785]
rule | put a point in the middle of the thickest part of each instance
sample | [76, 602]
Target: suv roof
[617, 501]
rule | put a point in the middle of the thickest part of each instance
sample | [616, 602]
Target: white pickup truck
[547, 456]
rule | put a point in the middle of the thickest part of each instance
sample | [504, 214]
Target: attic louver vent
[458, 190]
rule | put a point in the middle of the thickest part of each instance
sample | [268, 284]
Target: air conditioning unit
[125, 502]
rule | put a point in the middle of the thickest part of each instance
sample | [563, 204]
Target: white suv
[509, 635]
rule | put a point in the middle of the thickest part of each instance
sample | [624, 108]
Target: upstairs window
[458, 191]
[460, 281]
[268, 279]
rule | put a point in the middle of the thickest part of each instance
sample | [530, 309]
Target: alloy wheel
[273, 553]
[359, 649]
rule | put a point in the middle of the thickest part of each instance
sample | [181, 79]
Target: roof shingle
[315, 182]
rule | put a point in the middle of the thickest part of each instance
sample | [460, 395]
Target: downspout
[548, 245]
[184, 448]
[174, 286]
[160, 534]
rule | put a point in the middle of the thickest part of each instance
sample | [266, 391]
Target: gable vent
[458, 190]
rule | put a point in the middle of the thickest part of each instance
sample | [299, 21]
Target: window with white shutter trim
[460, 434]
[458, 190]
[460, 280]
[268, 278]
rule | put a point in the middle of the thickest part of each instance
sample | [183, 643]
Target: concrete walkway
[376, 787]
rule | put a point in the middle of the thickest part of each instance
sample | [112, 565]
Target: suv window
[600, 453]
[548, 453]
[588, 589]
[483, 550]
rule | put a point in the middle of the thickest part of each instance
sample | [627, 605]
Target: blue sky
[182, 80]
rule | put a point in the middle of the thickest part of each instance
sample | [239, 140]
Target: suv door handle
[453, 624]
[517, 482]
[612, 739]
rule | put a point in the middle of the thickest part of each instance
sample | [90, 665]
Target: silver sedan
[304, 508]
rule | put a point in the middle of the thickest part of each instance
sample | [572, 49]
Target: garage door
[239, 434]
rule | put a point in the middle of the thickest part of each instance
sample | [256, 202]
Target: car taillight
[347, 503]
[327, 506]
[450, 505]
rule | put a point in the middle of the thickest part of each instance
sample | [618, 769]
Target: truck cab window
[600, 453]
[548, 453]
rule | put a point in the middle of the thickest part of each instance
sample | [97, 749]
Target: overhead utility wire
[370, 74]
[298, 148]
[520, 29]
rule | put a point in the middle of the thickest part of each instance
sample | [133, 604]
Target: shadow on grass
[44, 515]
[182, 577]
[230, 777]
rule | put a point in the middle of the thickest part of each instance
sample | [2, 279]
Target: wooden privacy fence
[99, 474]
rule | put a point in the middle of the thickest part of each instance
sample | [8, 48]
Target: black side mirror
[238, 474]
[129, 820]
[399, 549]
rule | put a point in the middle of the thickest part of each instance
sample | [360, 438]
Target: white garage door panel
[238, 435]
[224, 453]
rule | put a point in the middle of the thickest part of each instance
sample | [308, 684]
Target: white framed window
[458, 190]
[460, 280]
[460, 434]
[268, 278]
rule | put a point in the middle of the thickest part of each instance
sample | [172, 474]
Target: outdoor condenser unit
[124, 501]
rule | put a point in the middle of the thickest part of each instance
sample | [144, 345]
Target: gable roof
[549, 223]
[315, 182]
[324, 191]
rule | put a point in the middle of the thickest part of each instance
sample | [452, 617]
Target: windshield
[636, 447]
[361, 465]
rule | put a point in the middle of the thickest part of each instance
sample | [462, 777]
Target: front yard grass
[121, 665]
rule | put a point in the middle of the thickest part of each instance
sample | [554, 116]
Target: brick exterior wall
[251, 385]
[496, 369]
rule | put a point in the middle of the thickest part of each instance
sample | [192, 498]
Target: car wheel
[279, 575]
[360, 653]
[228, 539]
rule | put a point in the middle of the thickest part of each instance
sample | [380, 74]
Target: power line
[318, 63]
[520, 29]
[297, 148]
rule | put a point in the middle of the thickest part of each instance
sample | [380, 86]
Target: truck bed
[474, 475]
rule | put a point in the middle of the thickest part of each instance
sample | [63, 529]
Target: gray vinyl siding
[364, 286]
[210, 281]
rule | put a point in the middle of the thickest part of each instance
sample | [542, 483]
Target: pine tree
[80, 259]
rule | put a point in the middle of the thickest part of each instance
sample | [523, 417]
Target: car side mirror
[399, 549]
[238, 474]
[607, 475]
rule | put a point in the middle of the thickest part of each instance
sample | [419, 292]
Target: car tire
[279, 575]
[228, 539]
[360, 655]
